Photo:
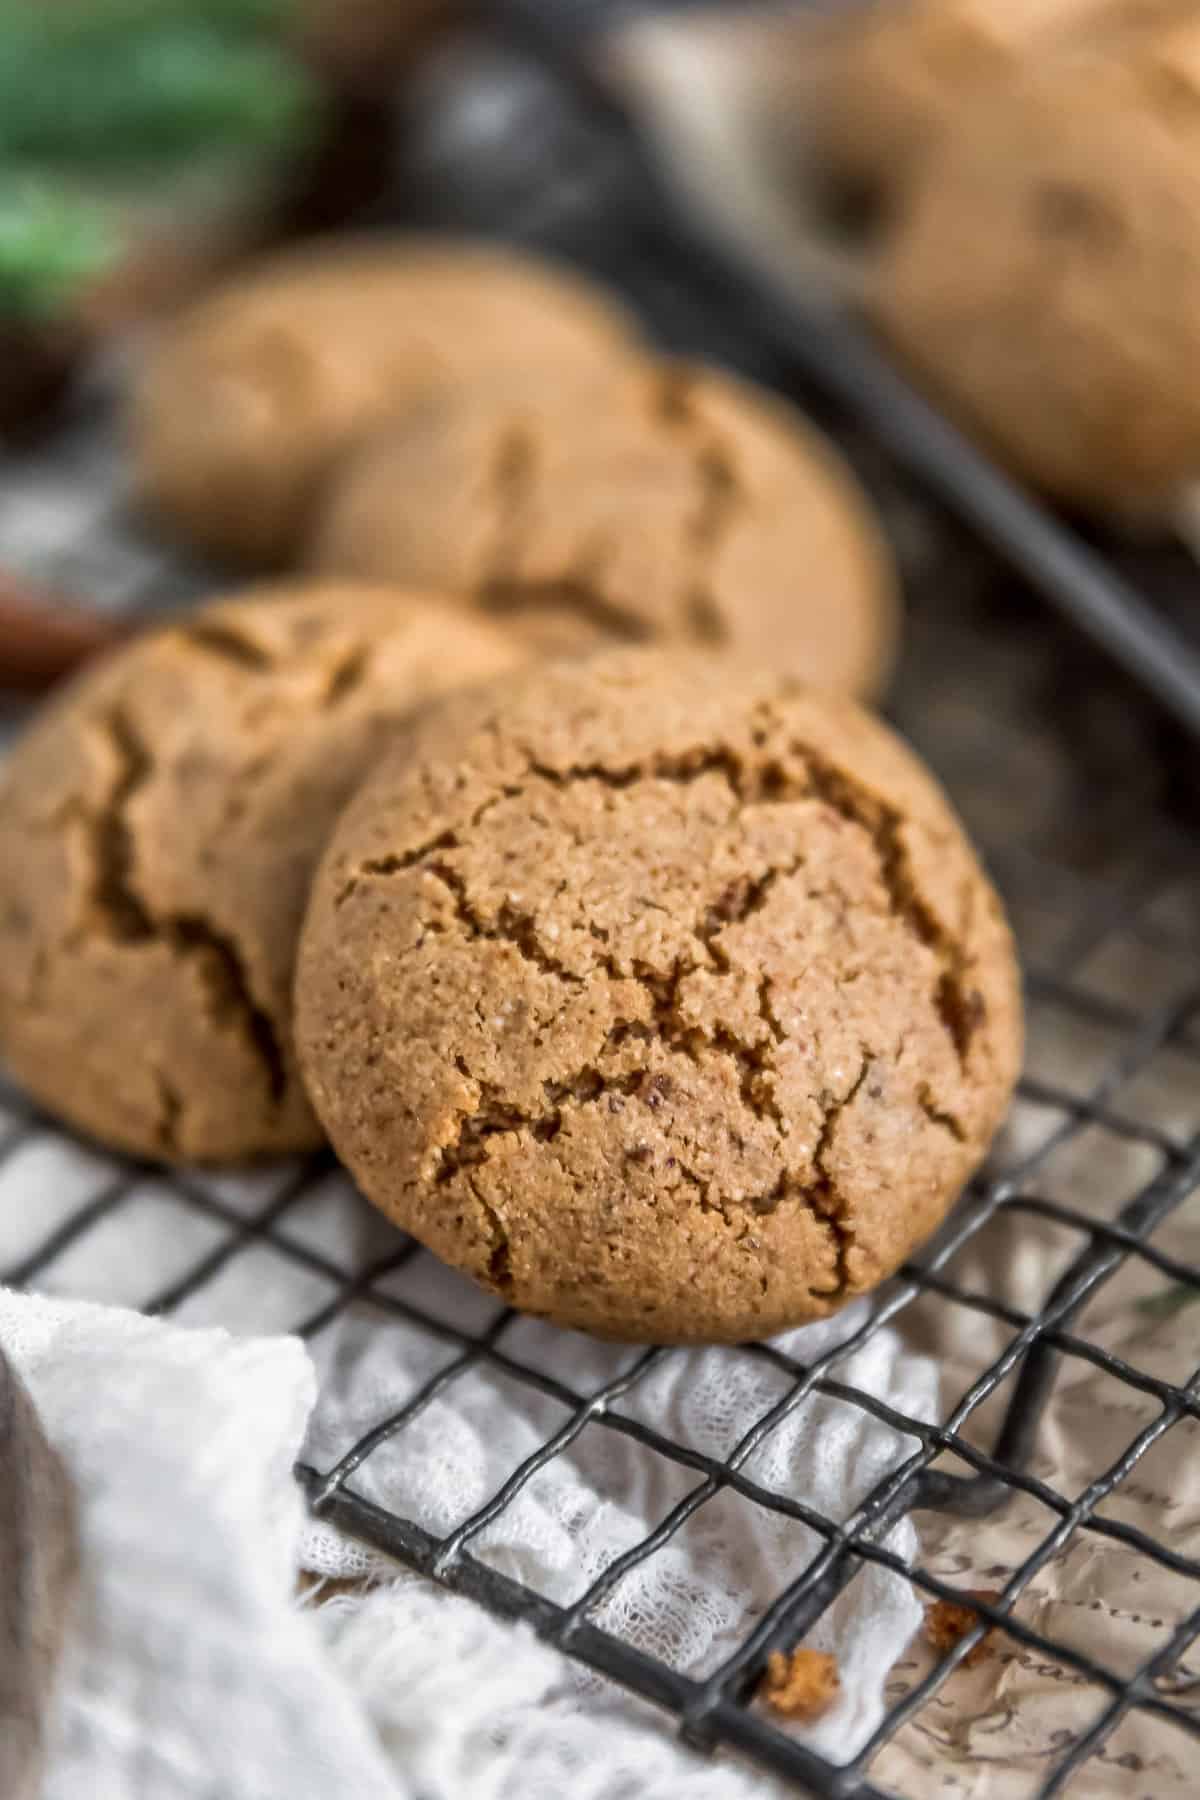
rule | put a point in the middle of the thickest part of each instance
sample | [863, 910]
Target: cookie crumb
[800, 1684]
[315, 1590]
[947, 1622]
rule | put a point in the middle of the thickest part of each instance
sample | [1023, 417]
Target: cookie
[158, 829]
[893, 75]
[676, 505]
[666, 999]
[261, 385]
[1044, 279]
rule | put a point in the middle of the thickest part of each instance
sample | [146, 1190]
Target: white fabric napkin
[193, 1673]
[189, 1673]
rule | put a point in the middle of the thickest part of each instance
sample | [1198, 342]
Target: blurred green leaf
[49, 244]
[113, 105]
[172, 92]
[52, 23]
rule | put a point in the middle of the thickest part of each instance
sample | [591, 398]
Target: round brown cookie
[893, 75]
[1044, 278]
[678, 504]
[667, 999]
[158, 828]
[257, 389]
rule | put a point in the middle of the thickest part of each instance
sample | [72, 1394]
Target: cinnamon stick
[44, 636]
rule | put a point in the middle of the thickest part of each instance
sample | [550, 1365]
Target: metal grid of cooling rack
[1106, 900]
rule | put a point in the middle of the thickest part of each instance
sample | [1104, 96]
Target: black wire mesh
[1056, 769]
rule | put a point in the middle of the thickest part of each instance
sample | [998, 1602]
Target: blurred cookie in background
[673, 503]
[1043, 275]
[255, 392]
[887, 77]
[1009, 194]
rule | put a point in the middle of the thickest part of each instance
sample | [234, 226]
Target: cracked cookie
[678, 504]
[257, 389]
[664, 998]
[1044, 276]
[159, 824]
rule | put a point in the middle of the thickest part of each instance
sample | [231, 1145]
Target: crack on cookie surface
[170, 1112]
[229, 991]
[692, 765]
[499, 1262]
[766, 1012]
[510, 925]
[720, 499]
[826, 1196]
[738, 901]
[163, 824]
[510, 481]
[217, 637]
[756, 1073]
[754, 1069]
[393, 864]
[113, 895]
[960, 1008]
[125, 918]
[693, 1029]
[512, 596]
[945, 1121]
[705, 622]
[517, 477]
[493, 1115]
[347, 674]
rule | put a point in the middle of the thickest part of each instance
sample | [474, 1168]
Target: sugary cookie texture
[666, 999]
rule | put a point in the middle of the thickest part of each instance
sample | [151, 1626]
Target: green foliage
[101, 100]
[55, 23]
[126, 80]
[49, 242]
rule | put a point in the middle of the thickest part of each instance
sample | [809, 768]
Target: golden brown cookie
[1044, 279]
[260, 386]
[678, 504]
[665, 998]
[893, 75]
[158, 828]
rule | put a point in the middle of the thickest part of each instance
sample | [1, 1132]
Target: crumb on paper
[800, 1684]
[315, 1590]
[947, 1622]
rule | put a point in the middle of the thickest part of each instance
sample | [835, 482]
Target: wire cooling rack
[1061, 774]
